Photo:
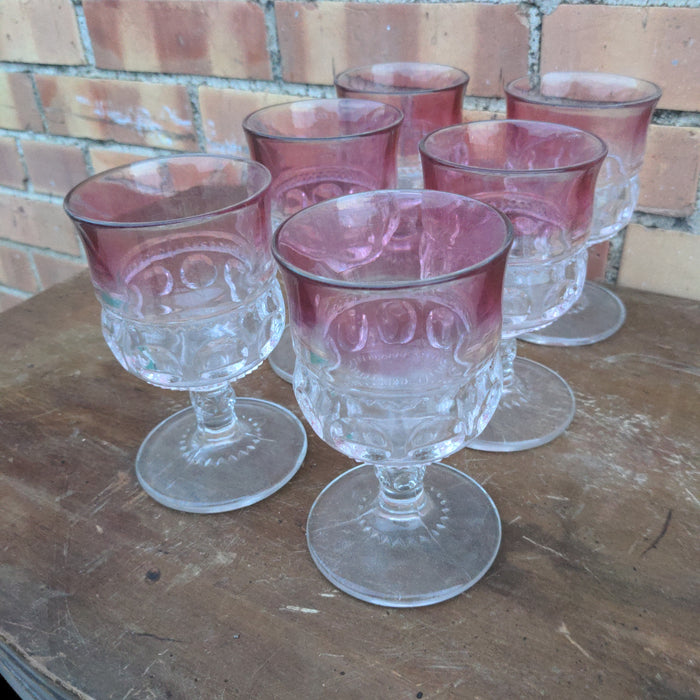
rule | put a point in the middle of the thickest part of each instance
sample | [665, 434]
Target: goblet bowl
[430, 95]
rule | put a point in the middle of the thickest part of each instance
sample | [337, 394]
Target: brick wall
[86, 85]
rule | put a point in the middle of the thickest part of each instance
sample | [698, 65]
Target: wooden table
[107, 594]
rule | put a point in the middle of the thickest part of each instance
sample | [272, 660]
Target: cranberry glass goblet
[317, 150]
[395, 310]
[179, 252]
[618, 109]
[430, 96]
[542, 176]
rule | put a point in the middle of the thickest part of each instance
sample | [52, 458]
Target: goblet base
[282, 358]
[197, 476]
[596, 315]
[536, 408]
[425, 555]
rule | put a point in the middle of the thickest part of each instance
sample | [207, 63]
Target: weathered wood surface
[595, 592]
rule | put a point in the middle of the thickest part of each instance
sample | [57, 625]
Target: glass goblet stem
[215, 412]
[401, 489]
[508, 350]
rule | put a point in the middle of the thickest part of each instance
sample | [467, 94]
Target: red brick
[205, 37]
[16, 270]
[223, 112]
[490, 42]
[18, 108]
[53, 270]
[671, 171]
[40, 31]
[11, 169]
[145, 114]
[107, 158]
[38, 223]
[54, 168]
[660, 44]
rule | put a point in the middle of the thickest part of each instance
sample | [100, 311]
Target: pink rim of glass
[369, 285]
[419, 78]
[623, 91]
[256, 125]
[76, 205]
[597, 155]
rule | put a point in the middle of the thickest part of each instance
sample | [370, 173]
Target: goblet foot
[282, 358]
[440, 546]
[598, 314]
[534, 409]
[184, 472]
